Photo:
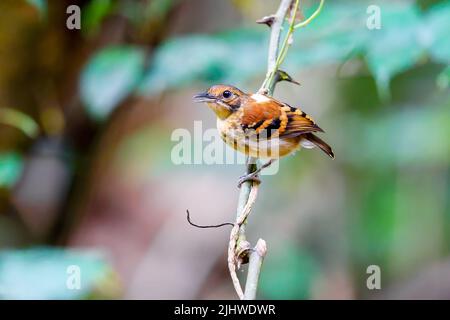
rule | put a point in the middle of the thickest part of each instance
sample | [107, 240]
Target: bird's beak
[203, 97]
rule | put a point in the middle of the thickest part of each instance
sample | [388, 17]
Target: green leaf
[240, 55]
[331, 40]
[110, 77]
[20, 121]
[43, 272]
[11, 165]
[94, 13]
[180, 61]
[395, 47]
[158, 8]
[244, 58]
[383, 150]
[443, 79]
[376, 223]
[230, 57]
[437, 35]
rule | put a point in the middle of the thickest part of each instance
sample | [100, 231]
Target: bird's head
[222, 99]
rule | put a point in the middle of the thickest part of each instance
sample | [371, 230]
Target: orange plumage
[259, 125]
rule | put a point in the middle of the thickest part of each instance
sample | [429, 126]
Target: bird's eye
[226, 94]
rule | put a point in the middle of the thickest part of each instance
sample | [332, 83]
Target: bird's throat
[221, 111]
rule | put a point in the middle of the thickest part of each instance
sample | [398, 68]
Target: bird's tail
[319, 143]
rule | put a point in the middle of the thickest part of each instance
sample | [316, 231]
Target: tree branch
[276, 33]
[254, 269]
[239, 248]
[268, 85]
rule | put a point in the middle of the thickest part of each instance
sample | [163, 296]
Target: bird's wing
[274, 116]
[298, 123]
[260, 115]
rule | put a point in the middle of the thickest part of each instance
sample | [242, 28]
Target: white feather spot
[259, 97]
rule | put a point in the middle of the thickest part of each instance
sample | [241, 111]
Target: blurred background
[86, 177]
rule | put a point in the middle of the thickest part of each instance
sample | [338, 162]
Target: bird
[260, 126]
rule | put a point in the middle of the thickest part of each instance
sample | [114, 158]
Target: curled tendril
[312, 17]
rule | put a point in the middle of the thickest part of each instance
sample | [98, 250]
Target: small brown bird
[260, 126]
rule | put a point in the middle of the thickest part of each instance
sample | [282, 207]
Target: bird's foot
[248, 177]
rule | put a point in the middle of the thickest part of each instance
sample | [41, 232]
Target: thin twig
[312, 17]
[287, 39]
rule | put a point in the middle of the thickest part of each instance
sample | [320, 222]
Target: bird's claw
[248, 177]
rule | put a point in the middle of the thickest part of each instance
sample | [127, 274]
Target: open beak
[203, 97]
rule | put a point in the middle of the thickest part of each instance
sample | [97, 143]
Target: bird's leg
[254, 175]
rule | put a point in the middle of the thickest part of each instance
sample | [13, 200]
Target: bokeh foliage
[389, 123]
[407, 37]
